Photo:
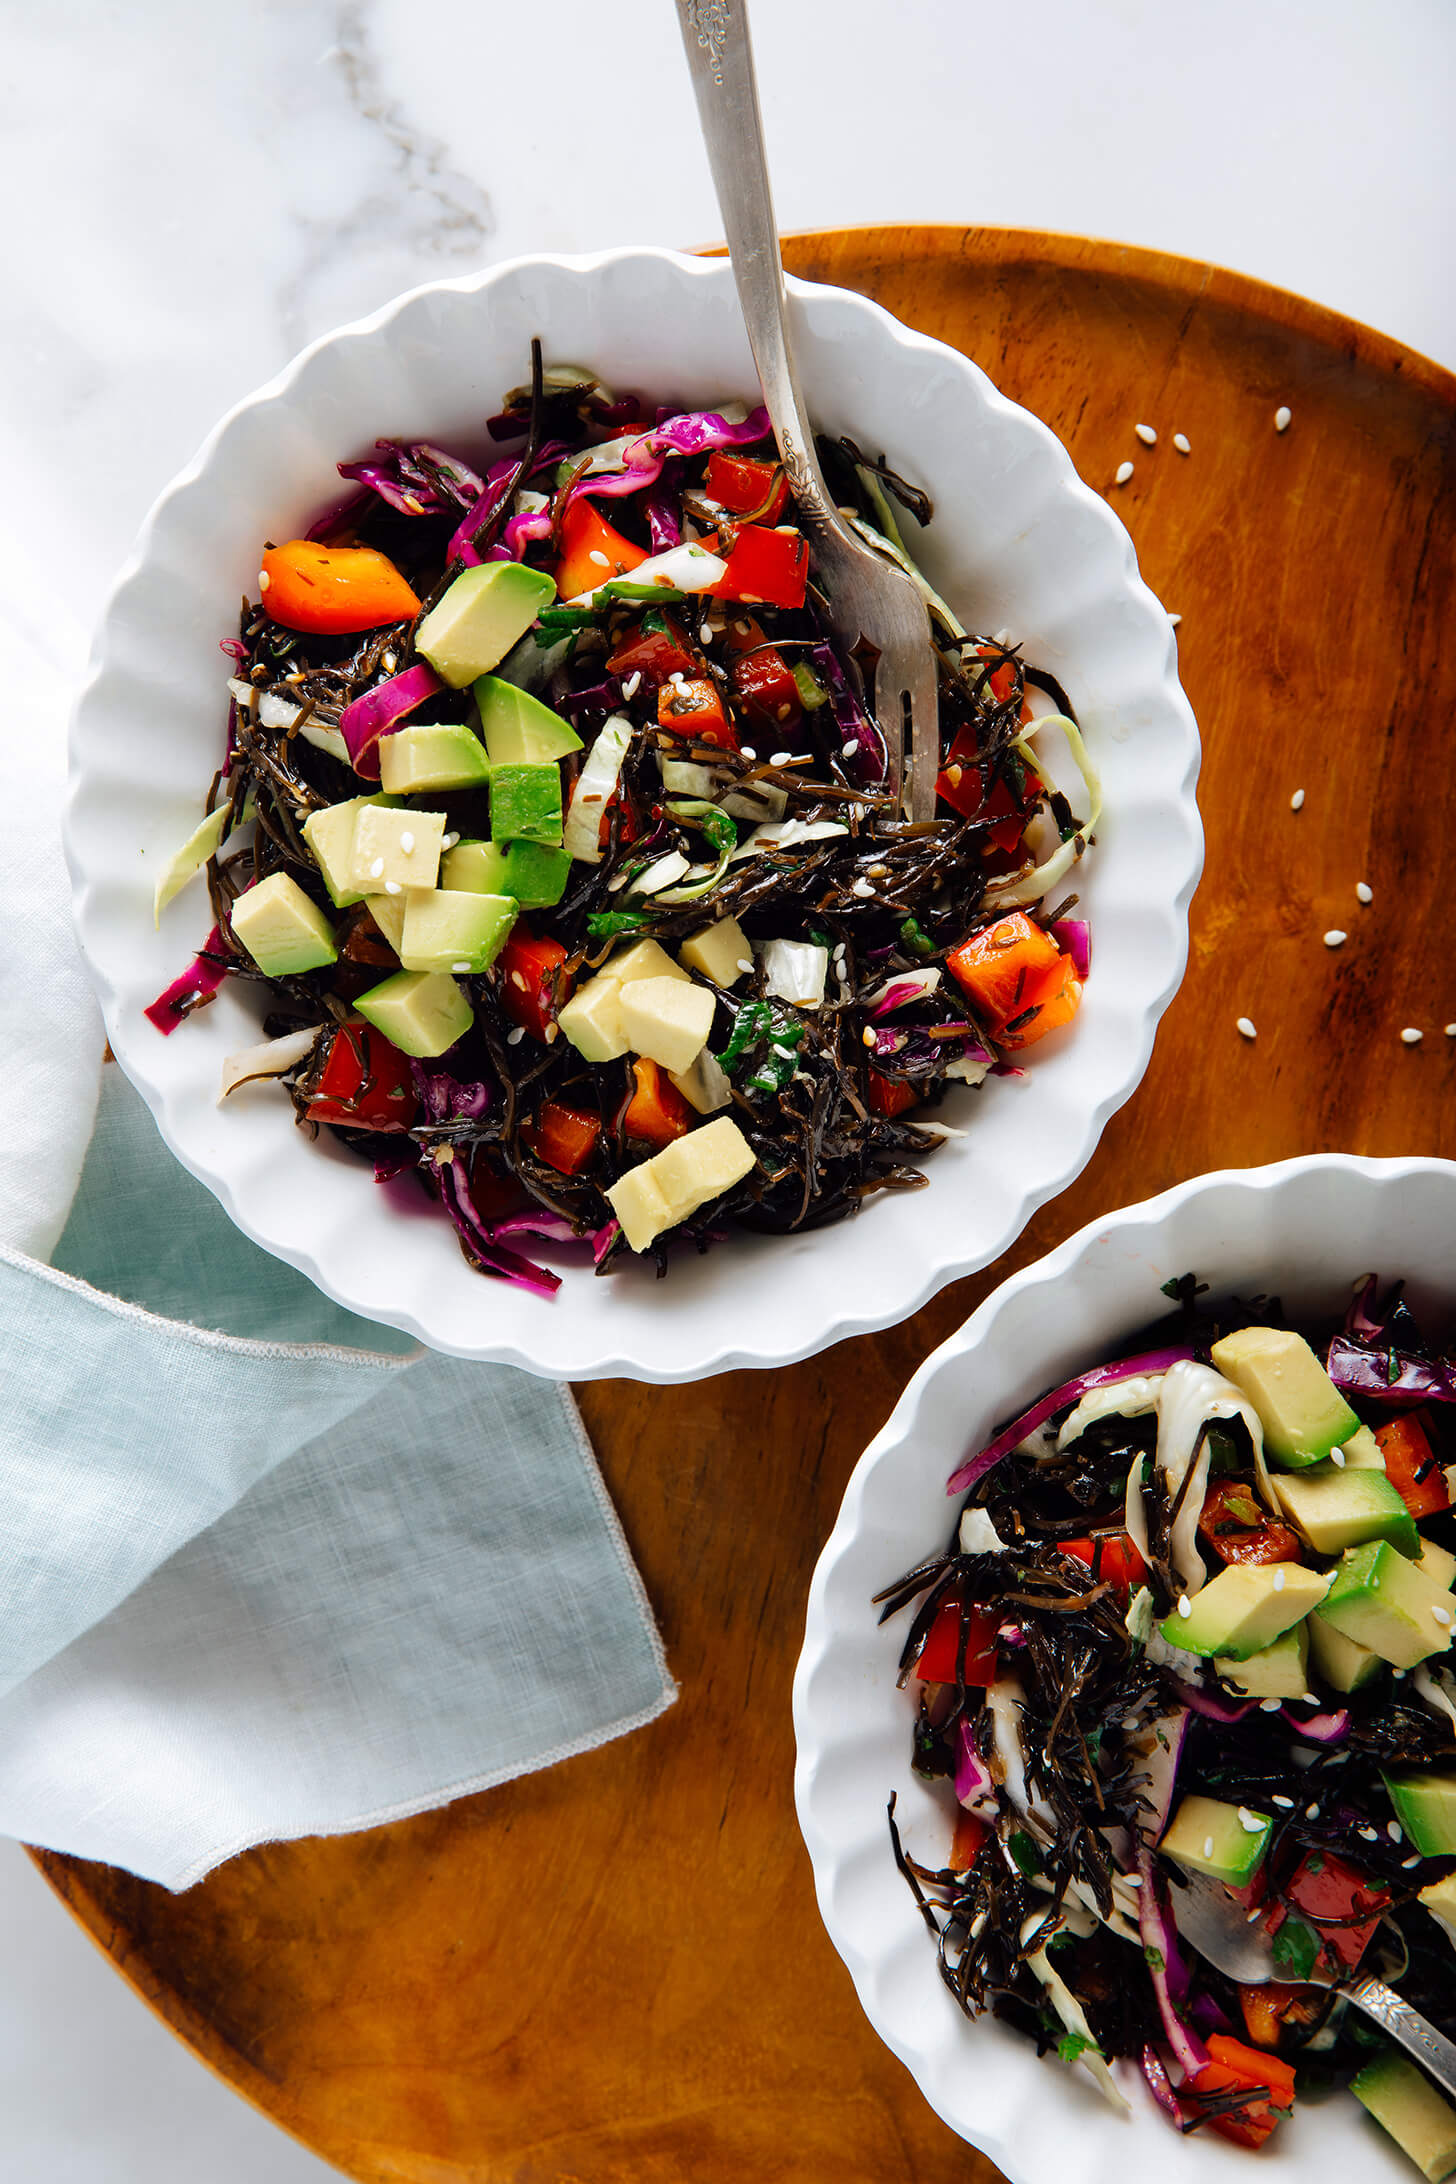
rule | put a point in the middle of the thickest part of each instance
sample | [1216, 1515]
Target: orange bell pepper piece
[1233, 2067]
[330, 591]
[563, 1137]
[890, 1096]
[591, 551]
[967, 1842]
[695, 709]
[657, 1112]
[996, 967]
[1055, 996]
[1411, 1466]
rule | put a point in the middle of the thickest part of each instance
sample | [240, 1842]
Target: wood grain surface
[615, 1970]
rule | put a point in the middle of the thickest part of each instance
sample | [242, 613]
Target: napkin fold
[267, 1569]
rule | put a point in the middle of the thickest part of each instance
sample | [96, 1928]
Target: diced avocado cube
[1384, 1602]
[1408, 2106]
[414, 760]
[1437, 1562]
[474, 868]
[1245, 1608]
[396, 849]
[281, 929]
[1227, 1842]
[422, 1012]
[387, 912]
[518, 729]
[1425, 1806]
[1280, 1671]
[1362, 1451]
[643, 959]
[535, 874]
[592, 1021]
[330, 835]
[1440, 1900]
[1344, 1665]
[1301, 1410]
[720, 952]
[480, 617]
[525, 804]
[449, 931]
[1336, 1508]
[675, 1182]
[667, 1019]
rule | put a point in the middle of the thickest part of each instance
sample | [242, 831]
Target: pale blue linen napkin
[268, 1570]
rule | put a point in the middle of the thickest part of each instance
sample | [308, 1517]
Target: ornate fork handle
[1430, 2048]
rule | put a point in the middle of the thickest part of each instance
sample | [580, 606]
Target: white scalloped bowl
[1301, 1230]
[1018, 542]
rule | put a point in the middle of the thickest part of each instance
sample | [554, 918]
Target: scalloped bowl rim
[555, 1341]
[949, 2058]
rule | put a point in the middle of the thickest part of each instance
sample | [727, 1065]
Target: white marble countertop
[194, 192]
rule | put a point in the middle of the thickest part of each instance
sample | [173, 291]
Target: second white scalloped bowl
[1302, 1230]
[1018, 542]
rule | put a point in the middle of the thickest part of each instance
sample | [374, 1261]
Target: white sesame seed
[1395, 1831]
[1174, 620]
[391, 887]
[1364, 893]
[633, 684]
[1337, 1456]
[1334, 938]
[868, 1036]
[1252, 1917]
[552, 1033]
[879, 871]
[1451, 1031]
[1246, 1029]
[747, 751]
[862, 888]
[1124, 472]
[1252, 1823]
[1286, 1802]
[376, 870]
[1398, 1673]
[599, 558]
[1311, 1812]
[785, 1053]
[783, 712]
[743, 629]
[1296, 802]
[1185, 1606]
[705, 633]
[448, 841]
[1208, 1846]
[1442, 1615]
[1282, 418]
[514, 1038]
[518, 978]
[1279, 1579]
[1410, 1036]
[1146, 434]
[407, 842]
[263, 580]
[677, 678]
[847, 750]
[1407, 1864]
[1180, 441]
[457, 968]
[1270, 1706]
[745, 963]
[1368, 1834]
[389, 663]
[780, 758]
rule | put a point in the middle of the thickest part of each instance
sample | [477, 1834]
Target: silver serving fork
[1219, 1929]
[871, 602]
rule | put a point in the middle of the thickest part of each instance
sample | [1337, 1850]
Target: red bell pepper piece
[695, 709]
[765, 683]
[1117, 1560]
[654, 654]
[937, 1662]
[366, 1082]
[1329, 1887]
[591, 551]
[1231, 2068]
[959, 784]
[1238, 1528]
[1411, 1465]
[530, 989]
[657, 1111]
[890, 1096]
[765, 568]
[564, 1137]
[968, 1841]
[497, 1193]
[742, 485]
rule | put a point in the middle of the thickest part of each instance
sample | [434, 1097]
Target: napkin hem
[207, 1338]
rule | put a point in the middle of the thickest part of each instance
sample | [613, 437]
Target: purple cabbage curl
[1390, 1377]
[974, 1785]
[605, 1241]
[196, 985]
[478, 1238]
[380, 710]
[695, 432]
[501, 479]
[1074, 937]
[1167, 1965]
[864, 757]
[1225, 1711]
[1070, 1392]
[450, 1099]
[661, 507]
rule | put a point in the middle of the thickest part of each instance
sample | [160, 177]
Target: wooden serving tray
[614, 1972]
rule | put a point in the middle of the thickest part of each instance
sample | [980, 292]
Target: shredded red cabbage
[1074, 937]
[1389, 1376]
[197, 984]
[381, 709]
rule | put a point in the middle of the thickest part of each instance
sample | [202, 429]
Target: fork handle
[1430, 2048]
[720, 61]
